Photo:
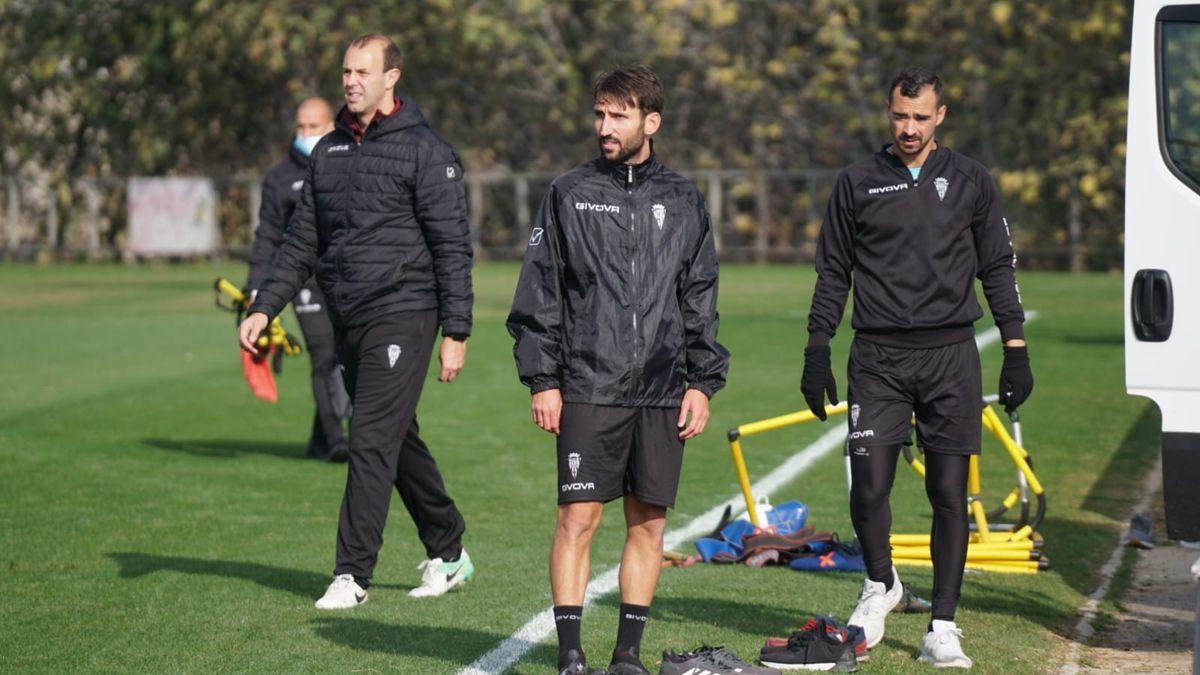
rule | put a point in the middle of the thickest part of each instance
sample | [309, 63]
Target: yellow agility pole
[973, 554]
[1019, 567]
[994, 545]
[739, 460]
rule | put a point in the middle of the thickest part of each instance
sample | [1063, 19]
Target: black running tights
[872, 471]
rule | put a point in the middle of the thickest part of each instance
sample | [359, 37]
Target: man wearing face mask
[280, 192]
[615, 327]
[910, 229]
[382, 220]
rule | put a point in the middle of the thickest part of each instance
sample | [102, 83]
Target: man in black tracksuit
[615, 322]
[912, 227]
[280, 193]
[382, 220]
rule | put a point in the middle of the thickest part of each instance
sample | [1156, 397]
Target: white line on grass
[1091, 607]
[541, 626]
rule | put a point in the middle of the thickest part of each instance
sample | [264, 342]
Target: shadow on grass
[751, 618]
[226, 448]
[459, 646]
[1118, 485]
[303, 583]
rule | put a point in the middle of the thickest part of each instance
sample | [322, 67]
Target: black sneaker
[812, 650]
[714, 660]
[577, 665]
[627, 664]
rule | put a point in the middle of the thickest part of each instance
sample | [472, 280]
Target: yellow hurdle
[974, 554]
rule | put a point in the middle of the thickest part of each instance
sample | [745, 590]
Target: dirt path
[1153, 632]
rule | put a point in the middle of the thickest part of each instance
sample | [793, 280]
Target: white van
[1162, 242]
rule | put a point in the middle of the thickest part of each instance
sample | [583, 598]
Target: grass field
[158, 518]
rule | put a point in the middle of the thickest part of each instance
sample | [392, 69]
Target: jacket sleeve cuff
[456, 328]
[541, 384]
[703, 388]
[818, 338]
[1011, 330]
[263, 307]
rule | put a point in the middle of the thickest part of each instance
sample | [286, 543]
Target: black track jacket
[383, 224]
[914, 249]
[281, 190]
[617, 299]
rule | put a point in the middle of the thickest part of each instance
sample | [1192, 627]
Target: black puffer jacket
[383, 223]
[281, 191]
[617, 300]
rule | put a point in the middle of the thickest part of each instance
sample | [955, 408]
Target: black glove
[1016, 379]
[817, 380]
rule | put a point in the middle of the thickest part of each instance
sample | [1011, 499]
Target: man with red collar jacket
[281, 191]
[383, 222]
[911, 228]
[615, 327]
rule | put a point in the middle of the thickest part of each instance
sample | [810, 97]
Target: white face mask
[305, 144]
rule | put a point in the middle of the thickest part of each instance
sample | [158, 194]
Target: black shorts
[605, 452]
[941, 386]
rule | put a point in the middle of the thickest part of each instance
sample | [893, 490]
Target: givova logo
[887, 188]
[603, 208]
[572, 487]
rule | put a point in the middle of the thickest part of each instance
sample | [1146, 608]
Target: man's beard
[633, 147]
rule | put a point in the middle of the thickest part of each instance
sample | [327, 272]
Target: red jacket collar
[351, 120]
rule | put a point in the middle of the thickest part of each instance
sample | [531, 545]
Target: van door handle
[1153, 305]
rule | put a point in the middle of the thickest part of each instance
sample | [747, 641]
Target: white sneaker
[873, 606]
[343, 593]
[441, 576]
[941, 647]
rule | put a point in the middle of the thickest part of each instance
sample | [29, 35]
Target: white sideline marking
[541, 626]
[1091, 607]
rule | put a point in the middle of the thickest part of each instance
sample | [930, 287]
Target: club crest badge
[298, 185]
[854, 410]
[451, 173]
[573, 464]
[660, 214]
[305, 296]
[941, 184]
[536, 237]
[393, 354]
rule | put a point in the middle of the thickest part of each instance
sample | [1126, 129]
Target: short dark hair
[392, 59]
[912, 80]
[630, 86]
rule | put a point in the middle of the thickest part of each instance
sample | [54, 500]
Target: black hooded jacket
[914, 249]
[617, 299]
[281, 191]
[383, 223]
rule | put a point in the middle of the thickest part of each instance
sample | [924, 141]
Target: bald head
[314, 117]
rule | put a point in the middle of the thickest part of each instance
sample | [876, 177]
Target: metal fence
[758, 216]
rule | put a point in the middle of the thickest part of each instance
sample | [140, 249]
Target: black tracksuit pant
[329, 392]
[385, 364]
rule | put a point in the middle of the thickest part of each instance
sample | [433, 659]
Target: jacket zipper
[633, 285]
[346, 212]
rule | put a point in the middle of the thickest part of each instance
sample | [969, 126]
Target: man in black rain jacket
[383, 221]
[615, 322]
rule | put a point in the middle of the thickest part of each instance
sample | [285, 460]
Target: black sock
[629, 632]
[567, 619]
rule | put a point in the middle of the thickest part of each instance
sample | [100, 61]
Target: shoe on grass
[874, 604]
[440, 576]
[714, 660]
[942, 648]
[576, 664]
[343, 593]
[812, 649]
